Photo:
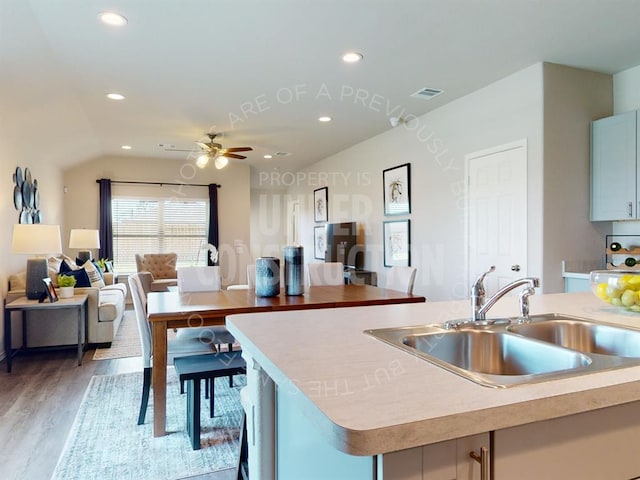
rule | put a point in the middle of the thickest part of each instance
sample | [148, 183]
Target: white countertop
[368, 397]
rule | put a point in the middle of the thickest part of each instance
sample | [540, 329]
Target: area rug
[105, 441]
[126, 342]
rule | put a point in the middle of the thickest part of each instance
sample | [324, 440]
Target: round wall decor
[26, 196]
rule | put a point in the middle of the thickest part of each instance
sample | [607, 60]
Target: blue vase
[267, 276]
[293, 271]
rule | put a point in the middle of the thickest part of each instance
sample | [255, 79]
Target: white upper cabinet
[614, 169]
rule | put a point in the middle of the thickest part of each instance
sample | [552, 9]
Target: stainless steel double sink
[504, 353]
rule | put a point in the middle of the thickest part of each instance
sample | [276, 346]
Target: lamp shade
[36, 239]
[84, 238]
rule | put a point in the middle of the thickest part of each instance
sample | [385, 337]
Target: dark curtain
[106, 226]
[213, 220]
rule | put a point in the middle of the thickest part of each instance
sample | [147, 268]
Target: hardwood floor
[38, 403]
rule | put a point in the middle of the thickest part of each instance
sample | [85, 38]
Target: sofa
[106, 305]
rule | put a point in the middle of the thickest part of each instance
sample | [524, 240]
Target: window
[157, 225]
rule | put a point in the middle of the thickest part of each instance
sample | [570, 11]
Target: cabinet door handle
[483, 460]
[630, 209]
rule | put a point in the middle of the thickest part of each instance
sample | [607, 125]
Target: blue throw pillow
[98, 269]
[81, 276]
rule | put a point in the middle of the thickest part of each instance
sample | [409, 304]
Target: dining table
[175, 309]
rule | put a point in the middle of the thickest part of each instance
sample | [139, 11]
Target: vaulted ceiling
[261, 72]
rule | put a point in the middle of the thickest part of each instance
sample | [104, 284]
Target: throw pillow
[95, 264]
[94, 274]
[69, 261]
[82, 279]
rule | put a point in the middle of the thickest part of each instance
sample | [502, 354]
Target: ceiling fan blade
[239, 149]
[233, 155]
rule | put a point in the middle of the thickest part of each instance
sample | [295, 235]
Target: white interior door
[497, 214]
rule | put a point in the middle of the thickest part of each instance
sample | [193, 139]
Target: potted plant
[66, 284]
[104, 264]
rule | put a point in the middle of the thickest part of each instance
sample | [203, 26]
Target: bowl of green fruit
[620, 288]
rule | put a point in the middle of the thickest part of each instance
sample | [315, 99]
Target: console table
[24, 305]
[360, 277]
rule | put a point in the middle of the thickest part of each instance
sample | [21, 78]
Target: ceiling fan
[214, 151]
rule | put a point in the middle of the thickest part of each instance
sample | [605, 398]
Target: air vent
[427, 93]
[283, 154]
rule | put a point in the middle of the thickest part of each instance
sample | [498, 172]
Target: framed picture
[319, 242]
[397, 190]
[50, 291]
[396, 240]
[321, 204]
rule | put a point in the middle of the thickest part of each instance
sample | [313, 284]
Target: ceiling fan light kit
[221, 162]
[220, 156]
[202, 160]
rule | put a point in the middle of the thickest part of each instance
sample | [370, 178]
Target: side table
[24, 305]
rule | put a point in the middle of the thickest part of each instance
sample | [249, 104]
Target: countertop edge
[602, 394]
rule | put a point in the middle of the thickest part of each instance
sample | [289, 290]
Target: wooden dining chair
[328, 273]
[401, 279]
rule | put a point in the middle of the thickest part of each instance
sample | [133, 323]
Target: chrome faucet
[480, 307]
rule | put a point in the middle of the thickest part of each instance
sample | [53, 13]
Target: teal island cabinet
[327, 401]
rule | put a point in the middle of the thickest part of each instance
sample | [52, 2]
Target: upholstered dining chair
[162, 267]
[401, 279]
[176, 347]
[251, 280]
[251, 276]
[328, 273]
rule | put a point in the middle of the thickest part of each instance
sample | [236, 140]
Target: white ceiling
[262, 71]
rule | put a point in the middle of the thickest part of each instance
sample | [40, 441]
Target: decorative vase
[267, 276]
[293, 270]
[65, 292]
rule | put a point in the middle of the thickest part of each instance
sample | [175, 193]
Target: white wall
[50, 185]
[550, 106]
[81, 200]
[572, 99]
[626, 90]
[435, 145]
[626, 97]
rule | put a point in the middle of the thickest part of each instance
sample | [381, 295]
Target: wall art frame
[321, 204]
[319, 242]
[396, 237]
[396, 183]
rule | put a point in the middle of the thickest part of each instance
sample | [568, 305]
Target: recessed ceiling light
[352, 57]
[113, 19]
[324, 119]
[115, 96]
[267, 156]
[125, 147]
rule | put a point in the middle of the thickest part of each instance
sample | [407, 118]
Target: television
[342, 245]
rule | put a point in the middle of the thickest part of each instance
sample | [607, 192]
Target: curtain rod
[162, 183]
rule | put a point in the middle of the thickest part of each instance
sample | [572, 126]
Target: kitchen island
[328, 401]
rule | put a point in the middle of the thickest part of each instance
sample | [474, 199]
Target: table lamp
[36, 239]
[84, 239]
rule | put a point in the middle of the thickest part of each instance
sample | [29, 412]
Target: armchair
[161, 266]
